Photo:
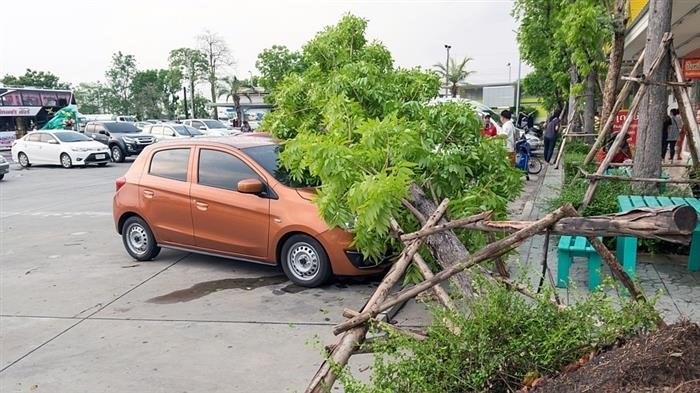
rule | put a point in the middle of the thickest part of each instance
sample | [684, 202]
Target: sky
[75, 39]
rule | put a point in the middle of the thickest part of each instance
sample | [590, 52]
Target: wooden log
[500, 264]
[669, 223]
[562, 146]
[389, 328]
[670, 165]
[325, 377]
[572, 135]
[621, 97]
[692, 143]
[625, 127]
[657, 83]
[425, 271]
[687, 113]
[447, 225]
[640, 179]
[490, 251]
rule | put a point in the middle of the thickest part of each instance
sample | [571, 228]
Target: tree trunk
[446, 246]
[616, 53]
[194, 113]
[572, 119]
[647, 161]
[214, 109]
[589, 107]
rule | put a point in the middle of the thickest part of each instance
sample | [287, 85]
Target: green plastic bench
[627, 245]
[577, 246]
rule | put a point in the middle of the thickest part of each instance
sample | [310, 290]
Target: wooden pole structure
[613, 113]
[595, 176]
[592, 186]
[687, 110]
[564, 138]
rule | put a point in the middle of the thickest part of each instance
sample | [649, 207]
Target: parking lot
[77, 314]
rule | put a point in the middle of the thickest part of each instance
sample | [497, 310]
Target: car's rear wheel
[117, 154]
[305, 262]
[2, 176]
[66, 162]
[23, 160]
[139, 240]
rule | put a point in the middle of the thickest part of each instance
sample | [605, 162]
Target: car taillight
[120, 183]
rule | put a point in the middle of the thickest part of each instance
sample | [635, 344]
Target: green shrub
[502, 339]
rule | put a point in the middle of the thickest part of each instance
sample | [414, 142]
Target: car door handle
[201, 205]
[148, 193]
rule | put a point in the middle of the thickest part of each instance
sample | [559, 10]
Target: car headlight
[2, 160]
[128, 140]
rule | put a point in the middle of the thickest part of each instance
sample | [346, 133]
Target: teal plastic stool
[577, 246]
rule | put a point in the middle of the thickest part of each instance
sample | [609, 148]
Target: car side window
[168, 131]
[46, 138]
[157, 129]
[222, 170]
[33, 138]
[90, 128]
[170, 163]
[197, 124]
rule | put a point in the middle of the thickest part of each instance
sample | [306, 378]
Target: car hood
[307, 193]
[131, 134]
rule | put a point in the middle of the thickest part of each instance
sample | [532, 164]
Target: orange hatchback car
[227, 197]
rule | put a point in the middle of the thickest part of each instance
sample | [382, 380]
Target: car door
[50, 149]
[31, 148]
[164, 195]
[168, 132]
[225, 220]
[199, 125]
[157, 131]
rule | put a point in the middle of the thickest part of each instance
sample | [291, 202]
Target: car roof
[241, 141]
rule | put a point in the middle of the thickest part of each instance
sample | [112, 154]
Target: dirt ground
[667, 360]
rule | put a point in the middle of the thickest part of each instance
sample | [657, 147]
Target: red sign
[691, 68]
[620, 120]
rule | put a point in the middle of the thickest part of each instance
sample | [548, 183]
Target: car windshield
[214, 124]
[186, 130]
[71, 137]
[268, 157]
[122, 128]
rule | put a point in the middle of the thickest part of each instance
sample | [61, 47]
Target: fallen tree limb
[492, 250]
[671, 223]
[387, 327]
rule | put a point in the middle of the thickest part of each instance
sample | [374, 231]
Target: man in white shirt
[508, 129]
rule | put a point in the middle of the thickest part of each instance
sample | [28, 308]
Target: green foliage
[93, 98]
[34, 78]
[119, 78]
[192, 65]
[155, 93]
[362, 130]
[277, 62]
[454, 72]
[500, 341]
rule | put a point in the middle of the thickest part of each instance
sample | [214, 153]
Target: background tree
[33, 78]
[192, 65]
[455, 73]
[218, 56]
[147, 94]
[233, 88]
[93, 98]
[277, 62]
[653, 106]
[119, 79]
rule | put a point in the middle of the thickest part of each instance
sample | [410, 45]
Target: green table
[627, 245]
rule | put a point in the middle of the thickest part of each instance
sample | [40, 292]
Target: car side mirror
[250, 186]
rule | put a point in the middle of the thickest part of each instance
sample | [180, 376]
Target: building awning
[685, 19]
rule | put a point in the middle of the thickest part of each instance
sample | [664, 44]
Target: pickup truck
[124, 139]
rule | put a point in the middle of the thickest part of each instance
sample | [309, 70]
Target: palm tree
[233, 88]
[455, 74]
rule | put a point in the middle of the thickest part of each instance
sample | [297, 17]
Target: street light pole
[509, 78]
[447, 71]
[517, 89]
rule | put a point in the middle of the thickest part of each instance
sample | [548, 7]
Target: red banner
[620, 120]
[691, 68]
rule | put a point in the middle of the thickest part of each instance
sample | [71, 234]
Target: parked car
[4, 167]
[66, 148]
[165, 131]
[210, 127]
[124, 139]
[228, 197]
[141, 124]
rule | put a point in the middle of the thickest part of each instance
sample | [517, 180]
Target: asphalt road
[77, 314]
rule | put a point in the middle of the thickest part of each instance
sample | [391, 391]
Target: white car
[62, 147]
[210, 127]
[165, 131]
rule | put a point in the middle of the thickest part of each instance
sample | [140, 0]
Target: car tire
[23, 160]
[2, 176]
[117, 154]
[139, 240]
[102, 164]
[66, 162]
[305, 262]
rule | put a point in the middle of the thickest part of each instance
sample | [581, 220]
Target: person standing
[489, 129]
[508, 129]
[674, 131]
[681, 134]
[550, 136]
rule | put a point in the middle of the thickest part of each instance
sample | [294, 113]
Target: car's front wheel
[66, 162]
[23, 160]
[305, 262]
[139, 240]
[117, 154]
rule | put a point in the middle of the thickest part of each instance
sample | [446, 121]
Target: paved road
[78, 315]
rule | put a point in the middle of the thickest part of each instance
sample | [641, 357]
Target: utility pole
[509, 78]
[447, 71]
[517, 90]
